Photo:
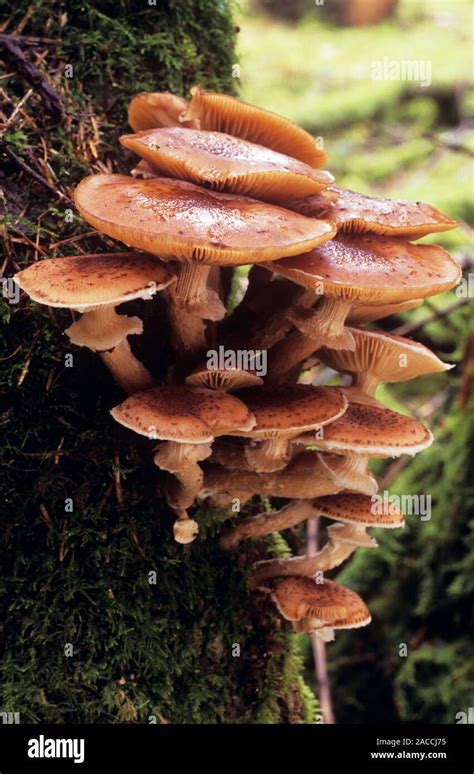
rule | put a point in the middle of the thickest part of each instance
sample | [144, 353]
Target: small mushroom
[317, 607]
[186, 420]
[95, 285]
[197, 228]
[226, 379]
[223, 113]
[281, 415]
[348, 271]
[380, 357]
[149, 110]
[225, 163]
[357, 213]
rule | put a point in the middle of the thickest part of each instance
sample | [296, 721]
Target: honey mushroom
[186, 420]
[352, 513]
[356, 213]
[196, 228]
[149, 110]
[347, 271]
[353, 509]
[281, 415]
[225, 163]
[95, 285]
[319, 607]
[223, 113]
[380, 357]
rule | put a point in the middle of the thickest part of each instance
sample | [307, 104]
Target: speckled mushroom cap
[225, 163]
[360, 510]
[358, 213]
[178, 220]
[183, 414]
[83, 282]
[223, 378]
[222, 113]
[151, 109]
[372, 270]
[291, 410]
[387, 357]
[298, 597]
[374, 431]
[367, 314]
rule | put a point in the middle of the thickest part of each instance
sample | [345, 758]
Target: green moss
[194, 646]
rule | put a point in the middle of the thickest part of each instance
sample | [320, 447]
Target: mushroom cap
[358, 213]
[351, 535]
[158, 108]
[225, 163]
[372, 270]
[222, 113]
[182, 414]
[299, 597]
[374, 431]
[290, 410]
[366, 314]
[179, 220]
[83, 282]
[223, 378]
[358, 509]
[387, 357]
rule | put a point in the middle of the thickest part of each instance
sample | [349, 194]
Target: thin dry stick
[318, 646]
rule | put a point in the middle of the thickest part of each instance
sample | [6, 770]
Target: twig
[318, 646]
[438, 315]
[17, 59]
[31, 172]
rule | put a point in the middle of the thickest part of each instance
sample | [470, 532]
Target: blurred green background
[313, 64]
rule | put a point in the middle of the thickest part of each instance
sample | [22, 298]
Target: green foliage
[419, 588]
[140, 648]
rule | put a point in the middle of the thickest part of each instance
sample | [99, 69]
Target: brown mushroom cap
[83, 282]
[358, 213]
[372, 270]
[291, 410]
[225, 163]
[298, 597]
[358, 509]
[374, 431]
[183, 414]
[223, 378]
[179, 220]
[385, 357]
[222, 113]
[151, 109]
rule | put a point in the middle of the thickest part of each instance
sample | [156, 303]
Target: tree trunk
[105, 617]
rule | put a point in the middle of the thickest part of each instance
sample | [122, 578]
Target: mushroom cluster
[219, 184]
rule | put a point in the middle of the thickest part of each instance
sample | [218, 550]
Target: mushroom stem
[286, 355]
[184, 528]
[129, 372]
[330, 556]
[193, 294]
[188, 332]
[182, 459]
[367, 383]
[325, 323]
[352, 470]
[265, 523]
[268, 455]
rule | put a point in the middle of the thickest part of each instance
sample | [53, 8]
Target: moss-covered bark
[104, 617]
